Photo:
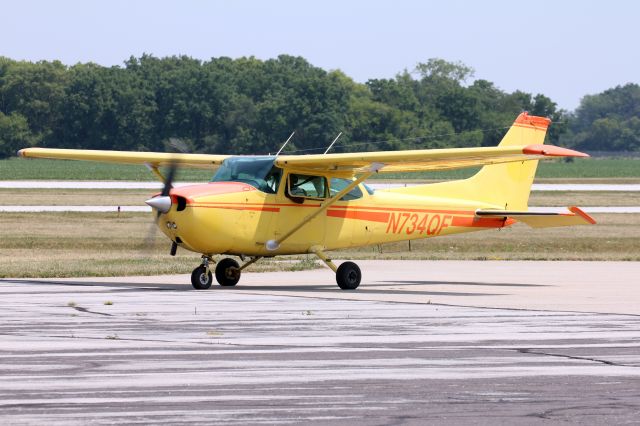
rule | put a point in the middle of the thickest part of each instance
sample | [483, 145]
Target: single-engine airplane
[264, 206]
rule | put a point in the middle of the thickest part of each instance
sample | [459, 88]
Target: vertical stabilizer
[504, 186]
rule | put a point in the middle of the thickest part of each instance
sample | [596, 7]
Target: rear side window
[338, 184]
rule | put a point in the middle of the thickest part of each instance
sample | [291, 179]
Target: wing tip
[552, 151]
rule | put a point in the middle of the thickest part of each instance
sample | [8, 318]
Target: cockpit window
[307, 186]
[255, 171]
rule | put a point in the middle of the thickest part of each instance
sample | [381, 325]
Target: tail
[503, 186]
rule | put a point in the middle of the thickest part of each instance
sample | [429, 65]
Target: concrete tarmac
[417, 343]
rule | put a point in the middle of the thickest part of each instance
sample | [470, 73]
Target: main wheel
[348, 276]
[227, 272]
[201, 278]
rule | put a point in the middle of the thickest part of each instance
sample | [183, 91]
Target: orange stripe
[526, 120]
[585, 216]
[259, 209]
[526, 126]
[360, 215]
[481, 222]
[217, 203]
[400, 209]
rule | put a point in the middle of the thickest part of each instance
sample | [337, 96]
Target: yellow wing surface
[154, 159]
[523, 142]
[422, 160]
[383, 161]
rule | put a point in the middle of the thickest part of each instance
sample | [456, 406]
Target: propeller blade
[168, 182]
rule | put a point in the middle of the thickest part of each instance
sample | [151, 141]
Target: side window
[338, 185]
[306, 186]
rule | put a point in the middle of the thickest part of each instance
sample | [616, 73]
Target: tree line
[250, 106]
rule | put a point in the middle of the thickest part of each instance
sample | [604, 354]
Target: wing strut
[155, 171]
[273, 245]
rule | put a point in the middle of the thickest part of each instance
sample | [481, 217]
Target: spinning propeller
[162, 203]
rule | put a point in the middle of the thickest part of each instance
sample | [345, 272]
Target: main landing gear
[348, 274]
[227, 272]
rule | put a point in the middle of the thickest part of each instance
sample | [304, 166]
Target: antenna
[285, 143]
[334, 141]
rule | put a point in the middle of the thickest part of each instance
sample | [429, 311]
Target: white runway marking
[88, 209]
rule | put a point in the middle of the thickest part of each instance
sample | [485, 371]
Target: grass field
[136, 197]
[19, 169]
[96, 244]
[103, 244]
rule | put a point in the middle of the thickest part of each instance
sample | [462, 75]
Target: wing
[422, 160]
[154, 159]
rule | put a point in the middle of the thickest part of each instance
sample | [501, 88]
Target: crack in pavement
[85, 310]
[574, 357]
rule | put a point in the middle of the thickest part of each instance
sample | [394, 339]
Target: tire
[201, 278]
[227, 272]
[348, 276]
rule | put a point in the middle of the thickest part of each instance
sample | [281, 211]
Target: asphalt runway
[418, 343]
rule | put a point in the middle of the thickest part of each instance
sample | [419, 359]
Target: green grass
[23, 169]
[37, 169]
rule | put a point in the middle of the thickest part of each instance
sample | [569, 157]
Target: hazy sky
[563, 49]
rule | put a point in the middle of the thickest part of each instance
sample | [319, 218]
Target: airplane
[265, 206]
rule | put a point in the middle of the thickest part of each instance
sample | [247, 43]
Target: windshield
[256, 171]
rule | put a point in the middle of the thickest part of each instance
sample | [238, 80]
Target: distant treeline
[250, 106]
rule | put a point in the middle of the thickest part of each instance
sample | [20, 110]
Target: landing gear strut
[348, 274]
[201, 278]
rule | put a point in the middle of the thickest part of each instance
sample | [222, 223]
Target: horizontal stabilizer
[542, 218]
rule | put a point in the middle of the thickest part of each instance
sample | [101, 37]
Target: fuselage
[235, 217]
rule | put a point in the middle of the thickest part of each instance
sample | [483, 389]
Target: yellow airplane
[264, 206]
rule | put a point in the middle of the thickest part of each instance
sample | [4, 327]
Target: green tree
[14, 134]
[607, 121]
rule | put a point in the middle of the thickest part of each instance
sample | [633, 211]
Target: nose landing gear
[201, 277]
[227, 272]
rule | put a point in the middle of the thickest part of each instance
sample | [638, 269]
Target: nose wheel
[201, 278]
